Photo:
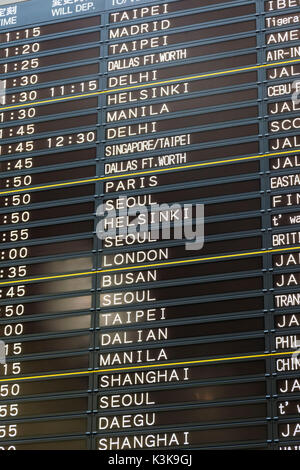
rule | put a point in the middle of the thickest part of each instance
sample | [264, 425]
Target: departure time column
[47, 324]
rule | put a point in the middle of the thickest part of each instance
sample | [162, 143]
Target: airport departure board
[119, 118]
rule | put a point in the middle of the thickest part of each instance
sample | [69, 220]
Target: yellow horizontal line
[150, 366]
[160, 170]
[161, 82]
[152, 265]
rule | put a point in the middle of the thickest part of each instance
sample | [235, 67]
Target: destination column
[163, 306]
